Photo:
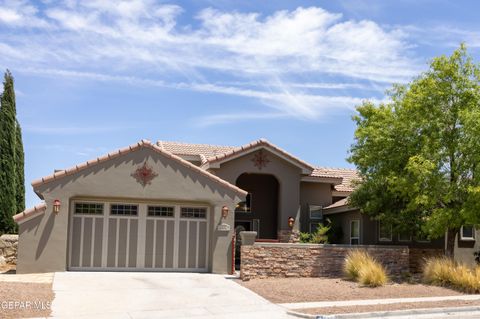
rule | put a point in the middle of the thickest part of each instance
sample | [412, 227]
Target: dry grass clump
[363, 268]
[446, 272]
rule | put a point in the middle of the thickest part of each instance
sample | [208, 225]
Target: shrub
[363, 268]
[446, 272]
[318, 237]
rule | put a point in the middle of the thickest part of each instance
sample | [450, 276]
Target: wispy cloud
[283, 54]
[73, 130]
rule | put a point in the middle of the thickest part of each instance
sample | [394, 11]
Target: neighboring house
[175, 207]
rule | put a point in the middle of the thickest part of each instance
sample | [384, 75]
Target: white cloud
[285, 53]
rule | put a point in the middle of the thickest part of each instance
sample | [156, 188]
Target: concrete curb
[393, 313]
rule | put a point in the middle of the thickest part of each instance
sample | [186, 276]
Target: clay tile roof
[206, 150]
[349, 176]
[260, 142]
[143, 143]
[40, 208]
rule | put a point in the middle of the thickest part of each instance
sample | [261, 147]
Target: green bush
[363, 268]
[320, 236]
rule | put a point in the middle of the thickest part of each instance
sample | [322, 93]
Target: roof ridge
[196, 144]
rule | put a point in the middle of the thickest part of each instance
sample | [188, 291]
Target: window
[246, 206]
[193, 212]
[467, 232]
[123, 209]
[355, 232]
[384, 232]
[405, 236]
[89, 208]
[160, 211]
[315, 212]
[314, 227]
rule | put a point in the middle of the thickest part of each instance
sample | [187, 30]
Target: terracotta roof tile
[142, 143]
[207, 150]
[40, 208]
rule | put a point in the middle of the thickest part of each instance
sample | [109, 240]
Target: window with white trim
[355, 232]
[467, 232]
[193, 212]
[384, 232]
[160, 211]
[89, 208]
[124, 209]
[316, 212]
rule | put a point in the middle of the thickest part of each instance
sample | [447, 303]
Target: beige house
[171, 207]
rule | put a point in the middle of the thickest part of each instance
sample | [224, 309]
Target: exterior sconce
[56, 206]
[224, 212]
[291, 221]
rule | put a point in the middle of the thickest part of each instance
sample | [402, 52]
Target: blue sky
[94, 76]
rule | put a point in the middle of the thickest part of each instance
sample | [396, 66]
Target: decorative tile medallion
[144, 175]
[260, 159]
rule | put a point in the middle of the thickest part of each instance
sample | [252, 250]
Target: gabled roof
[30, 212]
[349, 176]
[340, 206]
[142, 144]
[214, 161]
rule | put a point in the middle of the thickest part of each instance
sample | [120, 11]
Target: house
[171, 206]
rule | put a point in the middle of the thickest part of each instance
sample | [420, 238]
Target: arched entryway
[260, 211]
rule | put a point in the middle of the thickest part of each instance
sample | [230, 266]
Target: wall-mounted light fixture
[56, 206]
[291, 221]
[224, 212]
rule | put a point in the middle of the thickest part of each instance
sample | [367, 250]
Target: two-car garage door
[131, 236]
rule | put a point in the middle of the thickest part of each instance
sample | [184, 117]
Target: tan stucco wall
[318, 194]
[464, 249]
[43, 240]
[287, 174]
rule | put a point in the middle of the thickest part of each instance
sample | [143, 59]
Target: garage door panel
[182, 245]
[170, 244]
[76, 241]
[98, 243]
[87, 242]
[112, 242]
[122, 243]
[159, 238]
[133, 239]
[149, 243]
[192, 244]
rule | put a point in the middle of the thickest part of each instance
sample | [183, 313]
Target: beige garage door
[129, 236]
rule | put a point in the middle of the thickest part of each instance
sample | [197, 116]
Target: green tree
[12, 194]
[19, 169]
[418, 154]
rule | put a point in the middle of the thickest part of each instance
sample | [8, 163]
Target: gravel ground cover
[288, 290]
[23, 299]
[391, 307]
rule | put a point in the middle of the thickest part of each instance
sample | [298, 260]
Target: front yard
[24, 296]
[298, 290]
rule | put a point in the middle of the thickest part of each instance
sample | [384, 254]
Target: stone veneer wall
[8, 249]
[418, 255]
[264, 260]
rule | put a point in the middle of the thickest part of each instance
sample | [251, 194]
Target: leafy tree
[12, 194]
[418, 154]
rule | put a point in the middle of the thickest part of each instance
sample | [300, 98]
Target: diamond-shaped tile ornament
[144, 174]
[260, 160]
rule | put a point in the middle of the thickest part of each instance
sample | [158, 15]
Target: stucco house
[170, 206]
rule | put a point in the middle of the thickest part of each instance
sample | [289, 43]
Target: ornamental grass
[443, 271]
[363, 268]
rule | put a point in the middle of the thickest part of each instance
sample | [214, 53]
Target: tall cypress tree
[8, 176]
[19, 169]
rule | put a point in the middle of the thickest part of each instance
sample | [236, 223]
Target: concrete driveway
[135, 295]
